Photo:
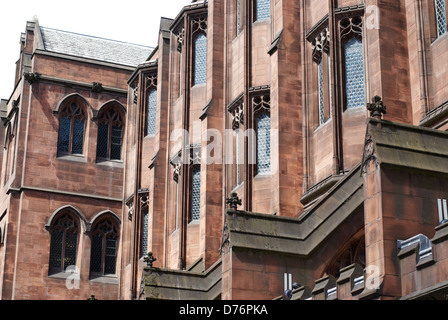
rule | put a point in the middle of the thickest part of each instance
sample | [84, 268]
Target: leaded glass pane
[200, 59]
[71, 241]
[238, 16]
[96, 254]
[440, 17]
[262, 9]
[115, 151]
[110, 258]
[152, 113]
[196, 194]
[321, 92]
[64, 134]
[264, 143]
[238, 157]
[78, 136]
[56, 251]
[103, 140]
[145, 233]
[354, 72]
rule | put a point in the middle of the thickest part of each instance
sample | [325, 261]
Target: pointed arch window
[64, 242]
[104, 239]
[200, 58]
[72, 122]
[110, 134]
[351, 35]
[263, 128]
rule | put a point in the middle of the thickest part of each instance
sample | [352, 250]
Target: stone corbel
[31, 77]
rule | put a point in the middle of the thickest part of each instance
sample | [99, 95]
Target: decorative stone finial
[234, 201]
[376, 108]
[92, 297]
[150, 259]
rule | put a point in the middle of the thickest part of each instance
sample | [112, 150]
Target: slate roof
[89, 47]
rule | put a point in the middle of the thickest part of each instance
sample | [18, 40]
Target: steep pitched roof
[95, 48]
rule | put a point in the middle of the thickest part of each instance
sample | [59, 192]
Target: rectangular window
[152, 113]
[196, 194]
[200, 59]
[320, 78]
[262, 9]
[145, 232]
[440, 17]
[264, 143]
[443, 211]
[354, 74]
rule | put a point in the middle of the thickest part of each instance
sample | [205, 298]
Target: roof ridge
[96, 37]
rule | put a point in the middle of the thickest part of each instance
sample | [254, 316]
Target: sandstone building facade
[262, 150]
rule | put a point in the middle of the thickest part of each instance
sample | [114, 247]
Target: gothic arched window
[64, 242]
[104, 237]
[351, 35]
[263, 128]
[110, 134]
[200, 58]
[72, 121]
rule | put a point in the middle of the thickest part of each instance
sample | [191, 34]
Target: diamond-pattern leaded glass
[262, 9]
[237, 156]
[64, 135]
[320, 76]
[110, 135]
[57, 237]
[152, 113]
[103, 140]
[196, 194]
[145, 232]
[71, 240]
[440, 17]
[354, 72]
[63, 243]
[111, 256]
[96, 254]
[78, 136]
[115, 147]
[200, 59]
[264, 143]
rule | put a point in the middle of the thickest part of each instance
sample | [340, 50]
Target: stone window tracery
[72, 121]
[110, 134]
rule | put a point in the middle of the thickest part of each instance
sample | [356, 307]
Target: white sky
[133, 21]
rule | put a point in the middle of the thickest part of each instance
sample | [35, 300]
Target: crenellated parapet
[421, 260]
[349, 285]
